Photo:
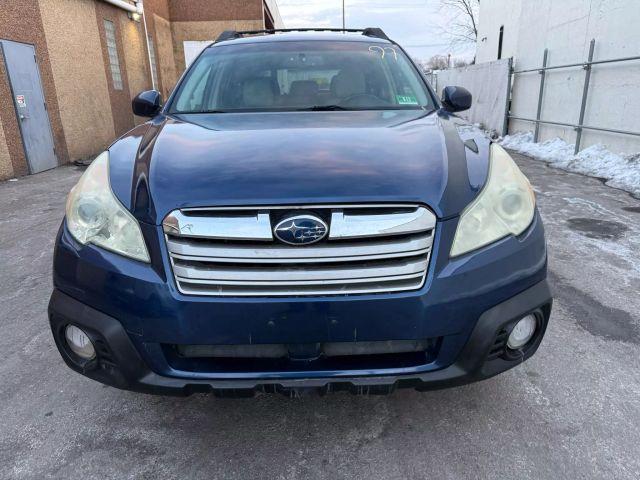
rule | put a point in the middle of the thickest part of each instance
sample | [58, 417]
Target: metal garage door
[28, 98]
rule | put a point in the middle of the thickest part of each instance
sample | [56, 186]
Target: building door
[31, 110]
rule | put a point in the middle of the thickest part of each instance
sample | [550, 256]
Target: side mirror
[456, 99]
[147, 104]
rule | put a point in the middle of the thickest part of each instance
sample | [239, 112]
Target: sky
[417, 25]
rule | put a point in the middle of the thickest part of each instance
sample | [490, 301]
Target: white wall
[275, 12]
[566, 28]
[192, 49]
[493, 15]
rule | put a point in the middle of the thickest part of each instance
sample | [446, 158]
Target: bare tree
[438, 62]
[460, 62]
[423, 64]
[463, 27]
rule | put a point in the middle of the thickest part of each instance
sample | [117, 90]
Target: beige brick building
[91, 57]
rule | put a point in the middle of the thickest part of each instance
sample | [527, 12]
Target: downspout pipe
[137, 8]
[154, 80]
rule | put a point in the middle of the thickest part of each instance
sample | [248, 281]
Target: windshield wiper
[323, 108]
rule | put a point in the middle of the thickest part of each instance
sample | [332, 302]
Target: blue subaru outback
[301, 213]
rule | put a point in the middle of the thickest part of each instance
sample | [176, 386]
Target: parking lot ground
[572, 411]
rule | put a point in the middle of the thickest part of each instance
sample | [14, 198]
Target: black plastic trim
[125, 368]
[373, 32]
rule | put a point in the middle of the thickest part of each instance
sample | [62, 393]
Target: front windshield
[311, 75]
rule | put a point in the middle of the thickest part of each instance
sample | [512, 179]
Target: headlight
[505, 206]
[94, 214]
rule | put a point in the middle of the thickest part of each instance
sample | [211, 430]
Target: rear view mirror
[456, 99]
[147, 104]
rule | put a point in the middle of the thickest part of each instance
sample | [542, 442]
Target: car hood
[298, 158]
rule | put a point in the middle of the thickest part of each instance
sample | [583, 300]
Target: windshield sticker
[383, 51]
[406, 100]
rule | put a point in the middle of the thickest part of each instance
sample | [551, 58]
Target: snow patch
[618, 170]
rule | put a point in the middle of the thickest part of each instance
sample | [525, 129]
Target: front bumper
[119, 364]
[134, 311]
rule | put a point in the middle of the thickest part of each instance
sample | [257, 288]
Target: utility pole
[344, 22]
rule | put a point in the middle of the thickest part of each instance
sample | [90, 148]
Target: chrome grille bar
[304, 283]
[231, 251]
[318, 253]
[359, 226]
[254, 227]
[293, 275]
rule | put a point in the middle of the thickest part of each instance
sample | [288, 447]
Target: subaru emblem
[301, 230]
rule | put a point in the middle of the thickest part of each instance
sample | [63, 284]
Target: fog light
[79, 342]
[522, 332]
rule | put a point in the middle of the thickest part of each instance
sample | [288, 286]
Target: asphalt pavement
[572, 411]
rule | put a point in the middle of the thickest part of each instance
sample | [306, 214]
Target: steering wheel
[358, 99]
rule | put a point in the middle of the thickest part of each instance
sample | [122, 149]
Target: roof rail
[369, 32]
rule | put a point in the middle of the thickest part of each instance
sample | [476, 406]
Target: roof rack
[369, 32]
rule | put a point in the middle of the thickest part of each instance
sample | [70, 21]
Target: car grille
[232, 251]
[330, 356]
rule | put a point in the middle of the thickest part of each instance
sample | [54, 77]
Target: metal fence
[579, 126]
[432, 78]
